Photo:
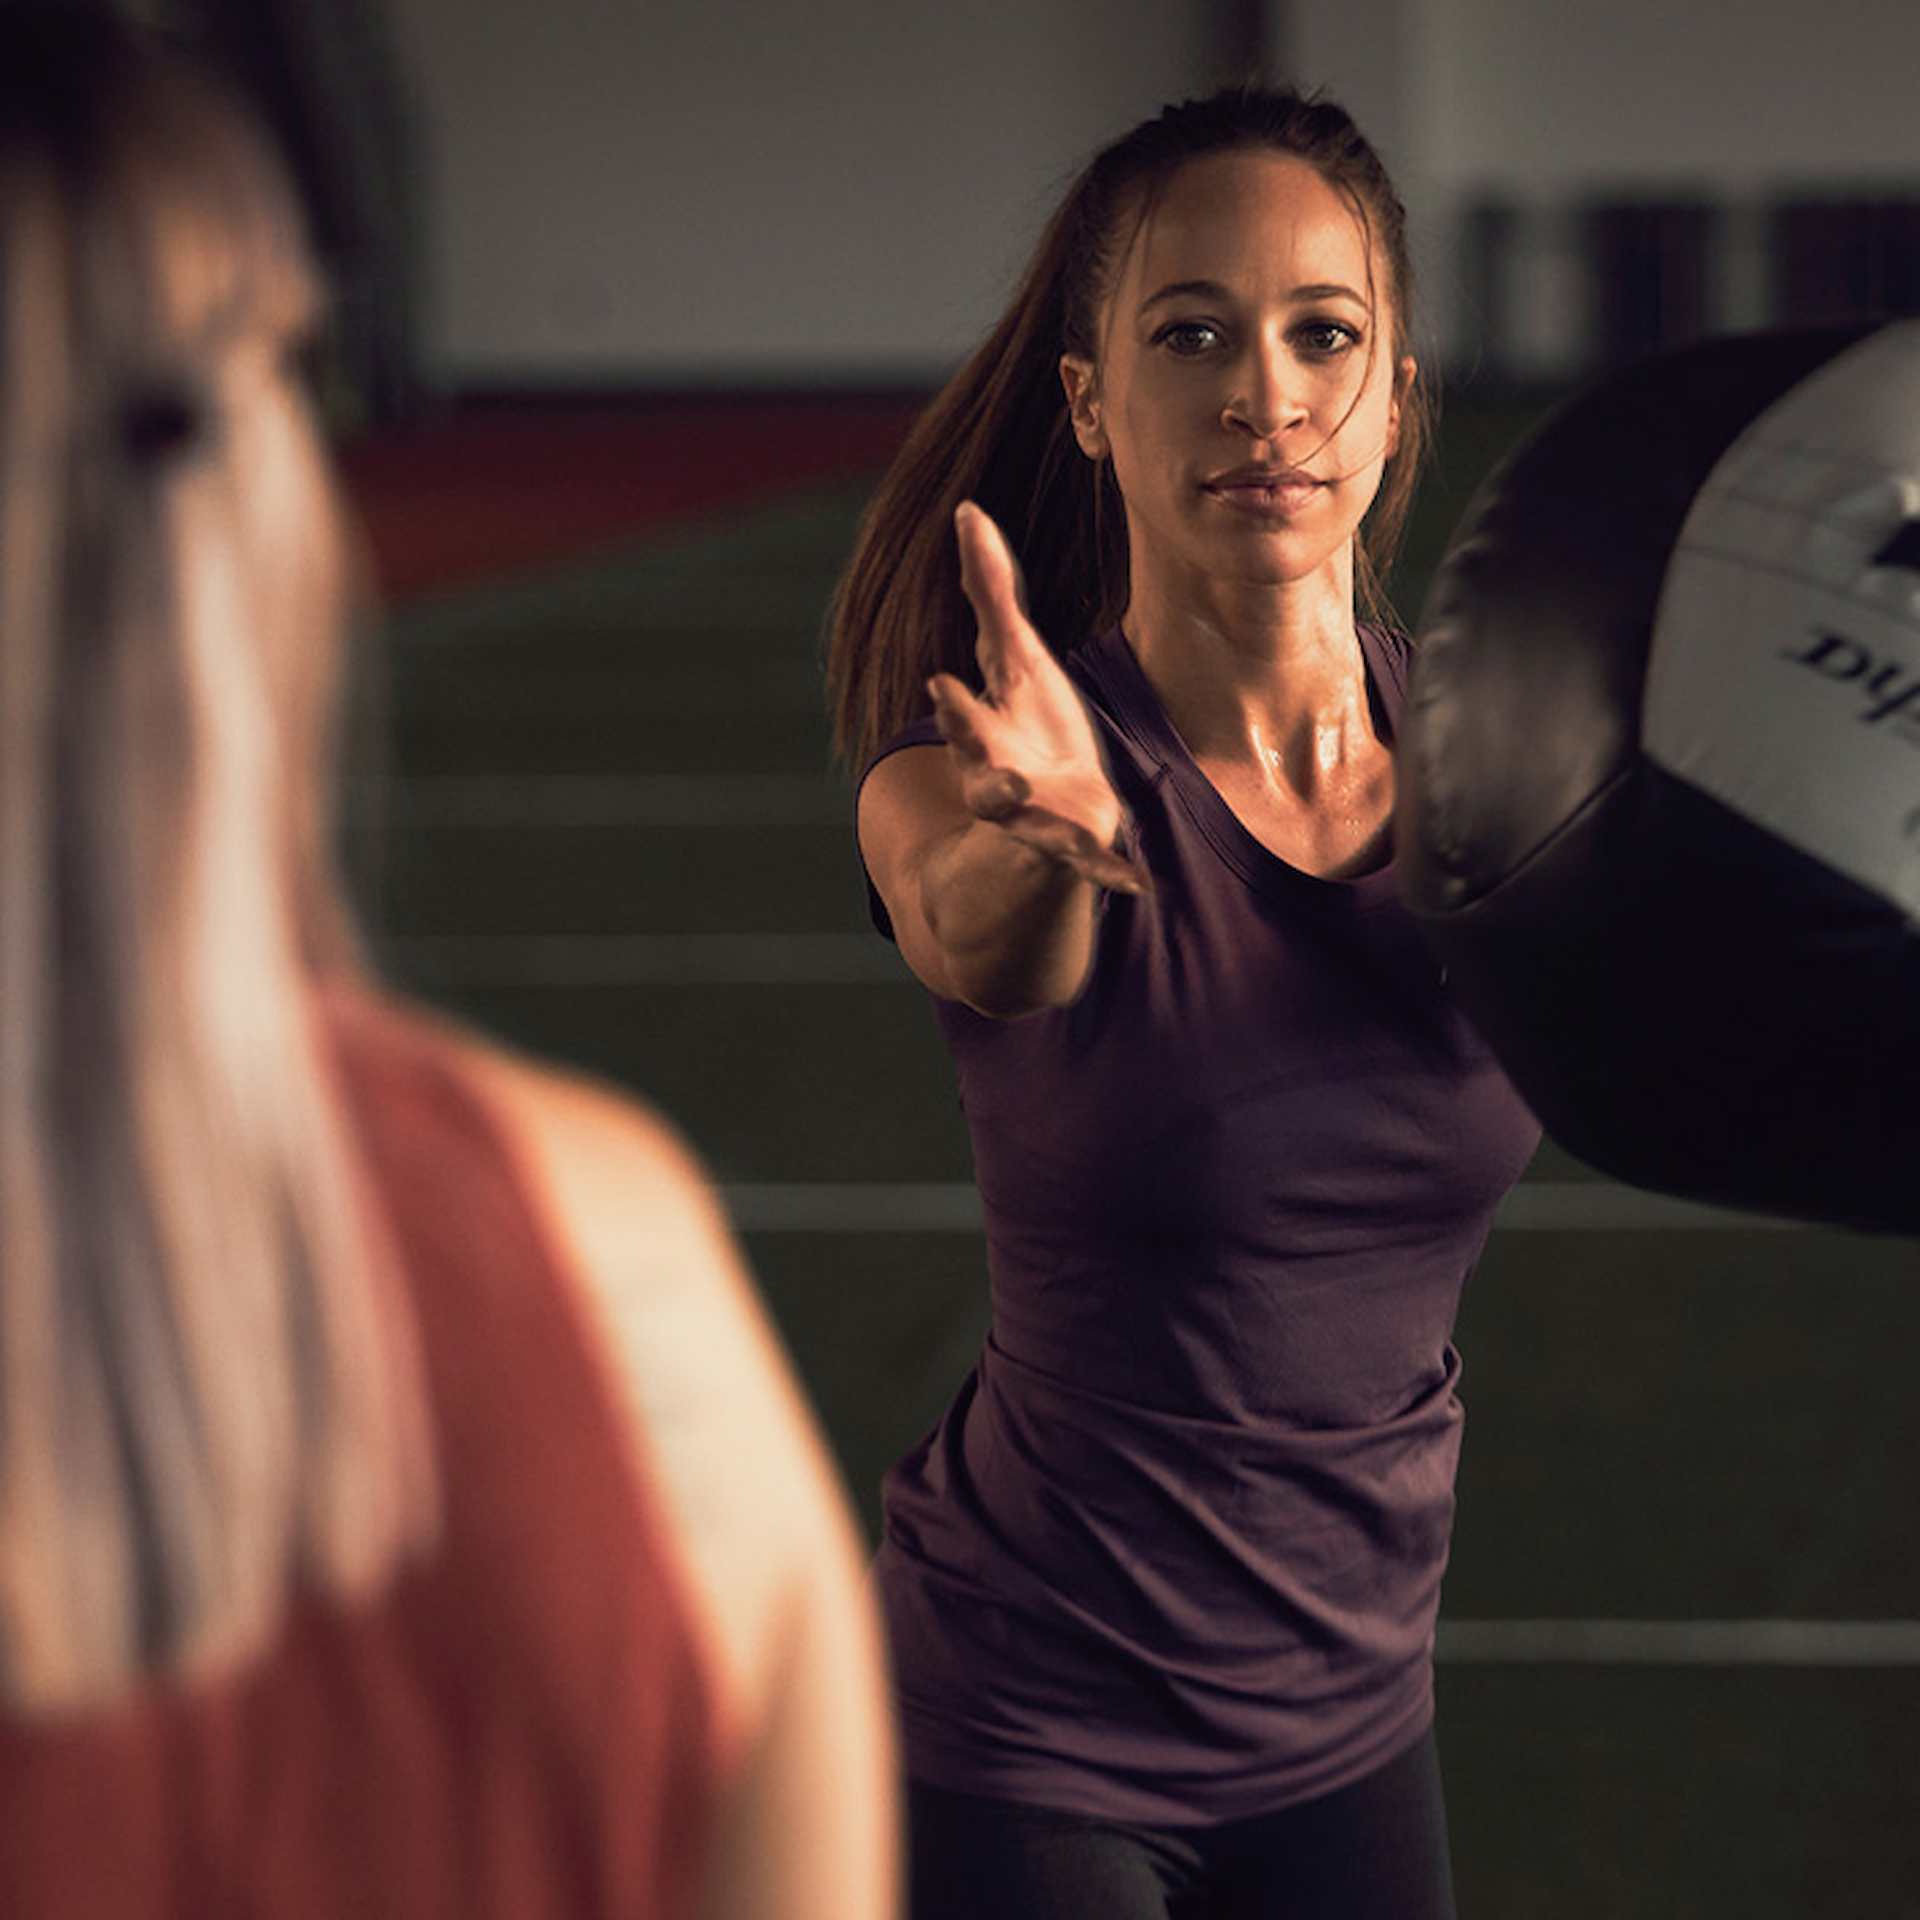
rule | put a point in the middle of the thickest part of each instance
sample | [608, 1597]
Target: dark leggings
[1376, 1850]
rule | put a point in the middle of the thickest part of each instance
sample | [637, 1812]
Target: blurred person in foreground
[404, 1505]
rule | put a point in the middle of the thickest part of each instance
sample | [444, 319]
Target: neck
[1262, 675]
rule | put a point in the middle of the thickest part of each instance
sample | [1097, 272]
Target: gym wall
[839, 193]
[733, 193]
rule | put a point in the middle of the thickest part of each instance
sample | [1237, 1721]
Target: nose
[1264, 403]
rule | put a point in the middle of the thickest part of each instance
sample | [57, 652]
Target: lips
[1262, 479]
[1264, 489]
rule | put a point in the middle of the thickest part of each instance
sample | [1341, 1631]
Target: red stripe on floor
[492, 488]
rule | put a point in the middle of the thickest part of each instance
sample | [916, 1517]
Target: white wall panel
[720, 189]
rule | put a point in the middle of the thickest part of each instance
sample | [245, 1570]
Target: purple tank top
[1173, 1555]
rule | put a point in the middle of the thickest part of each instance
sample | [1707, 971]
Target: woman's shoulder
[605, 1130]
[721, 1435]
[922, 731]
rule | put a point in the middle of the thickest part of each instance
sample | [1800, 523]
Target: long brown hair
[208, 1384]
[998, 432]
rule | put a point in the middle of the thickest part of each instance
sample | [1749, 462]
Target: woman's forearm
[1015, 927]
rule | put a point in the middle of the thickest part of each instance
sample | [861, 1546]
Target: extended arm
[990, 852]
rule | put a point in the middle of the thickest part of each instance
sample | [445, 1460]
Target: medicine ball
[1659, 773]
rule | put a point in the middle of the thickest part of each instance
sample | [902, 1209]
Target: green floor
[1666, 1424]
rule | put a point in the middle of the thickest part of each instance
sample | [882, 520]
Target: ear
[1404, 376]
[1082, 386]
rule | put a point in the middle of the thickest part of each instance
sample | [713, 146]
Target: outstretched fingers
[1029, 713]
[1004, 796]
[990, 578]
[1074, 846]
[958, 712]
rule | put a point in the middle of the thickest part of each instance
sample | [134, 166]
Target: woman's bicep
[910, 809]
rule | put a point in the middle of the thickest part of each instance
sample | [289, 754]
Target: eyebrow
[1213, 290]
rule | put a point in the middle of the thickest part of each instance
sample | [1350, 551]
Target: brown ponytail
[998, 431]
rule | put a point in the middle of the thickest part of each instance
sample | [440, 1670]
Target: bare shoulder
[619, 1171]
[616, 1179]
[722, 1432]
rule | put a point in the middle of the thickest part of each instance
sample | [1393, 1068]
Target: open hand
[1029, 758]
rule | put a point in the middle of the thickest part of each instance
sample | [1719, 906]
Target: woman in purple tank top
[1161, 1585]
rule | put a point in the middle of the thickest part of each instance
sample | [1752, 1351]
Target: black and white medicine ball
[1659, 806]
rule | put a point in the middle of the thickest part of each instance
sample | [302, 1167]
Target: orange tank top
[521, 1725]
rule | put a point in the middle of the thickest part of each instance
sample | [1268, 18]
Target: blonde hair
[209, 1388]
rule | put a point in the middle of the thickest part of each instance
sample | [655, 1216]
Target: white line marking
[794, 685]
[623, 800]
[767, 608]
[1576, 1206]
[645, 959]
[1535, 1206]
[904, 1206]
[1680, 1643]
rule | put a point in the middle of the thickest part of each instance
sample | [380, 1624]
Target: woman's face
[1245, 387]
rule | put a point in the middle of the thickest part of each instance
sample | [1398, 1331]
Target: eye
[1324, 339]
[1188, 338]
